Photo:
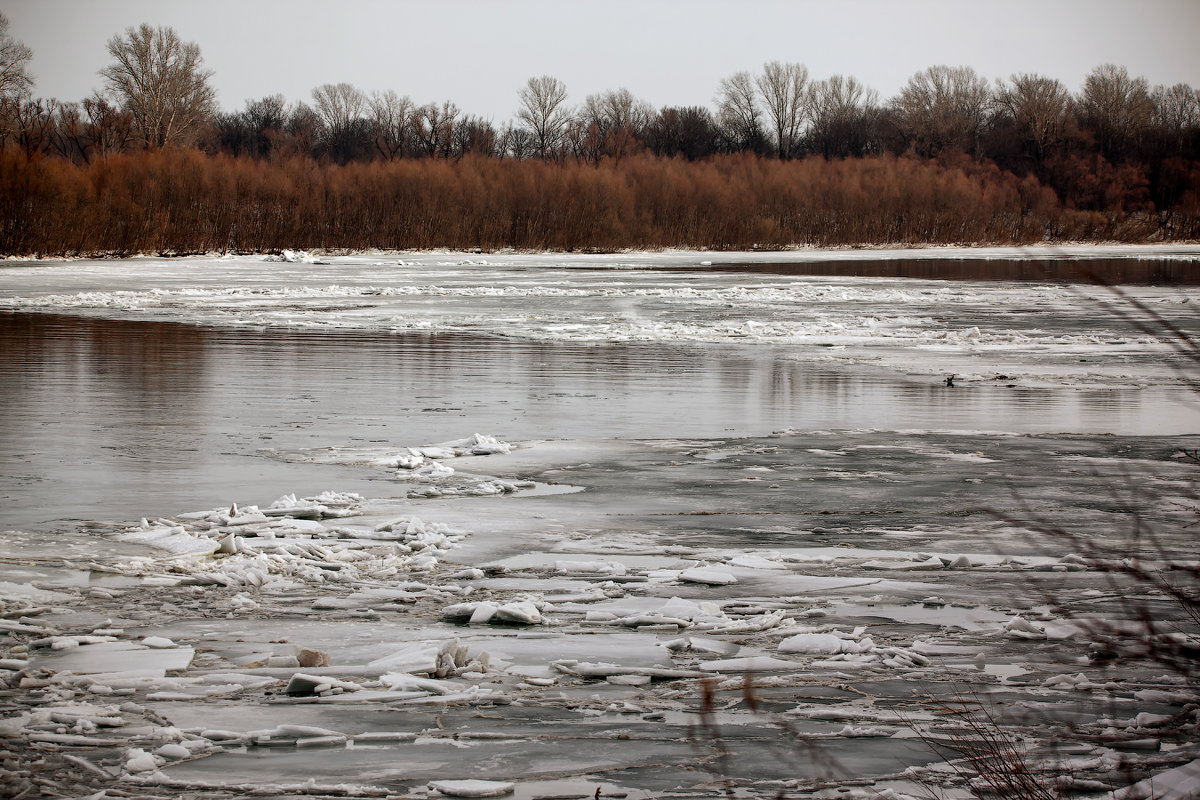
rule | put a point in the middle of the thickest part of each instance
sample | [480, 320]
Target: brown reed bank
[177, 201]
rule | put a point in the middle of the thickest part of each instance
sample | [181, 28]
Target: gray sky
[478, 53]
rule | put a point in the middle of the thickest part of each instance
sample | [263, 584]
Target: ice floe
[334, 634]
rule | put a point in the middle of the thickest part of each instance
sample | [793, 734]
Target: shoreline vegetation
[185, 201]
[151, 164]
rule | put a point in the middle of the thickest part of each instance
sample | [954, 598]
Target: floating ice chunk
[473, 788]
[483, 613]
[866, 731]
[123, 657]
[70, 642]
[931, 563]
[1174, 784]
[710, 576]
[1078, 681]
[590, 567]
[435, 451]
[173, 751]
[250, 515]
[690, 610]
[294, 257]
[751, 561]
[433, 470]
[699, 645]
[24, 627]
[1147, 720]
[25, 591]
[748, 664]
[304, 684]
[602, 670]
[521, 612]
[824, 644]
[901, 658]
[230, 545]
[406, 461]
[1020, 628]
[175, 540]
[291, 731]
[325, 504]
[481, 445]
[138, 760]
[158, 642]
[518, 612]
[420, 657]
[13, 726]
[404, 682]
[628, 680]
[219, 735]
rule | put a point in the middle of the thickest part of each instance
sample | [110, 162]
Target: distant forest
[150, 164]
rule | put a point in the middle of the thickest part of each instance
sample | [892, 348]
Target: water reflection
[111, 419]
[1108, 271]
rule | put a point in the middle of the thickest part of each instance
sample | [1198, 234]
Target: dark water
[1106, 271]
[115, 420]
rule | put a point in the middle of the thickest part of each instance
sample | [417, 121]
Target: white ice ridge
[796, 312]
[305, 540]
[429, 466]
[292, 541]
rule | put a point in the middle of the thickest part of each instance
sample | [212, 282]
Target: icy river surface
[648, 525]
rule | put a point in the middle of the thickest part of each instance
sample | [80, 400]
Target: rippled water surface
[118, 418]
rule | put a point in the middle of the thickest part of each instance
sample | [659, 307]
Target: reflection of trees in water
[157, 368]
[1109, 271]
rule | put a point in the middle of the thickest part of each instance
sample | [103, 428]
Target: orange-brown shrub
[184, 201]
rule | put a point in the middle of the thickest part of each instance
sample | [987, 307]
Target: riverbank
[184, 201]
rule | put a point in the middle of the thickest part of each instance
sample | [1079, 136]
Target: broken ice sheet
[612, 647]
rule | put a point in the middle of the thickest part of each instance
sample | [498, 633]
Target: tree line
[1117, 159]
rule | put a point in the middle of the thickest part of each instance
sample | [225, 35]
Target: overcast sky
[478, 53]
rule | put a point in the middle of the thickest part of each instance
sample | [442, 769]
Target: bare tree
[434, 128]
[35, 124]
[391, 115]
[1038, 107]
[1116, 108]
[303, 130]
[160, 79]
[70, 138]
[15, 82]
[610, 123]
[690, 132]
[842, 111]
[1176, 111]
[338, 104]
[616, 109]
[784, 93]
[738, 114]
[543, 112]
[943, 108]
[110, 128]
[255, 131]
[345, 133]
[474, 135]
[516, 142]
